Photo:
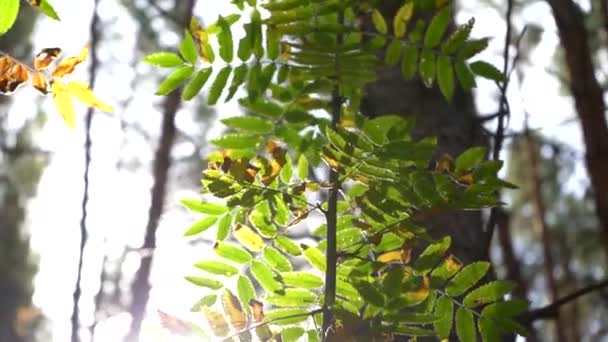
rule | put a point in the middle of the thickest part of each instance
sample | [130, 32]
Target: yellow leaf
[63, 102]
[403, 16]
[216, 322]
[388, 257]
[444, 163]
[248, 238]
[81, 91]
[67, 65]
[453, 264]
[234, 310]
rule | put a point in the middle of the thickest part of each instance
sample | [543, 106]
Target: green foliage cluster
[9, 9]
[303, 65]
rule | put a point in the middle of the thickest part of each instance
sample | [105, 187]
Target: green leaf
[487, 70]
[465, 325]
[488, 293]
[47, 9]
[302, 279]
[238, 141]
[174, 80]
[431, 256]
[292, 334]
[277, 260]
[437, 28]
[196, 83]
[409, 63]
[287, 245]
[8, 14]
[206, 301]
[488, 330]
[238, 78]
[187, 48]
[427, 67]
[471, 48]
[265, 277]
[245, 291]
[273, 43]
[286, 316]
[470, 158]
[225, 40]
[393, 52]
[444, 308]
[315, 257]
[249, 123]
[465, 75]
[217, 267]
[201, 225]
[302, 167]
[370, 293]
[379, 22]
[445, 77]
[292, 297]
[466, 278]
[218, 85]
[223, 227]
[509, 308]
[205, 282]
[287, 170]
[232, 252]
[244, 49]
[458, 37]
[204, 207]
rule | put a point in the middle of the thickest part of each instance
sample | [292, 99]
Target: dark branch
[550, 311]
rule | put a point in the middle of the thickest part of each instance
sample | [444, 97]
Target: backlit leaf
[45, 57]
[67, 65]
[470, 158]
[174, 80]
[8, 14]
[45, 7]
[187, 48]
[164, 59]
[205, 282]
[291, 297]
[277, 260]
[287, 316]
[82, 93]
[302, 279]
[245, 291]
[225, 40]
[234, 310]
[238, 141]
[287, 245]
[63, 102]
[248, 238]
[223, 227]
[196, 83]
[232, 252]
[199, 206]
[218, 85]
[201, 226]
[217, 267]
[265, 277]
[314, 256]
[292, 334]
[249, 124]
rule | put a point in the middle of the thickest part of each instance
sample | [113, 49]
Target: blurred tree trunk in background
[589, 101]
[140, 287]
[20, 170]
[455, 125]
[532, 149]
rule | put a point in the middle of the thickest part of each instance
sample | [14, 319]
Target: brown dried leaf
[39, 82]
[45, 57]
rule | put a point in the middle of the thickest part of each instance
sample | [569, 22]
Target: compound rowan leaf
[68, 65]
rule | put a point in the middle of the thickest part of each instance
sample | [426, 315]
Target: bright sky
[120, 199]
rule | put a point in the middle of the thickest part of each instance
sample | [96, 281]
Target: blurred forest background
[106, 195]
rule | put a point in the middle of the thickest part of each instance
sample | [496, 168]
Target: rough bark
[589, 102]
[540, 228]
[140, 288]
[454, 124]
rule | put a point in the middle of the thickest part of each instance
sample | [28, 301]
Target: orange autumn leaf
[39, 82]
[389, 257]
[45, 57]
[67, 65]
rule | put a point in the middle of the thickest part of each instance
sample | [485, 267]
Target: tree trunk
[454, 124]
[140, 288]
[540, 227]
[589, 102]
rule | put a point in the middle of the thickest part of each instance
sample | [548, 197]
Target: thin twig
[75, 319]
